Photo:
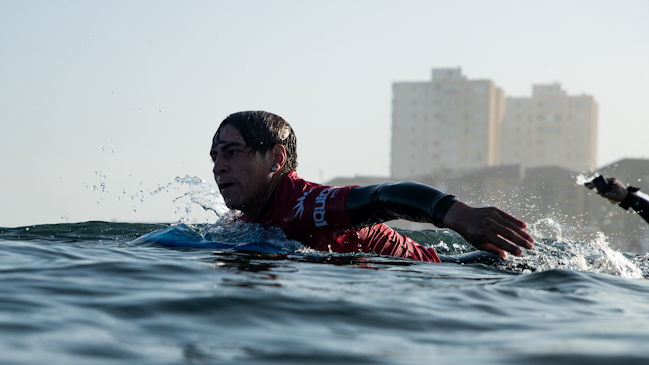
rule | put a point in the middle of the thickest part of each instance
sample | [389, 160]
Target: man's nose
[219, 166]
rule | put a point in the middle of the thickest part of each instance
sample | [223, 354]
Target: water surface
[85, 293]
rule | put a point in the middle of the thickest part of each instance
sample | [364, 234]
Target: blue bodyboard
[182, 236]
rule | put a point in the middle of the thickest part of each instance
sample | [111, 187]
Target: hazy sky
[129, 93]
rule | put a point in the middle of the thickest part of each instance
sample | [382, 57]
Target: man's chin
[232, 204]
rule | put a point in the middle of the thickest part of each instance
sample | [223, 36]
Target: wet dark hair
[262, 131]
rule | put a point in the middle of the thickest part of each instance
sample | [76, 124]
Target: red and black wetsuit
[347, 219]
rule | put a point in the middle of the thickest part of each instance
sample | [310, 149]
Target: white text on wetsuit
[319, 210]
[299, 207]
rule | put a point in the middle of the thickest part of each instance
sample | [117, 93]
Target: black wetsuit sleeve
[368, 205]
[638, 203]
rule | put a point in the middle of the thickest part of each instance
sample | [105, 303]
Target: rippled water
[86, 293]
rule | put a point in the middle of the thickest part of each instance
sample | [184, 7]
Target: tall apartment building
[550, 128]
[450, 122]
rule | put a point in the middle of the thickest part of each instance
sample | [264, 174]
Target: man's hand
[489, 229]
[616, 194]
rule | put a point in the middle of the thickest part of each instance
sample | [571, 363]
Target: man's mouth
[224, 186]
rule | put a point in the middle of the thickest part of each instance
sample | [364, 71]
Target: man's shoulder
[305, 203]
[293, 183]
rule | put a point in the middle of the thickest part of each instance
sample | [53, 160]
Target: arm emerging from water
[638, 203]
[488, 229]
[627, 197]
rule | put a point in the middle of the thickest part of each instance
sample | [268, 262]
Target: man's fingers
[495, 243]
[515, 238]
[505, 245]
[514, 233]
[494, 250]
[512, 229]
[507, 233]
[503, 216]
[492, 230]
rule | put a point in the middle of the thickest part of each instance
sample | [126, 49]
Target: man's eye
[232, 152]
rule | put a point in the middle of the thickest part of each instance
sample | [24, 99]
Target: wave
[554, 248]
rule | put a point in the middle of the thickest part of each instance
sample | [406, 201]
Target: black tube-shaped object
[372, 204]
[635, 201]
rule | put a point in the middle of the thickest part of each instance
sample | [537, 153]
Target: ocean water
[90, 293]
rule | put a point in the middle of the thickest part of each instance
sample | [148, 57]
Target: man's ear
[279, 156]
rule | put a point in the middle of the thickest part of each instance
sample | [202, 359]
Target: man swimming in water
[254, 155]
[627, 197]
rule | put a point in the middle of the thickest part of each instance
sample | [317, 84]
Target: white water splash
[547, 228]
[581, 179]
[189, 198]
[556, 249]
[200, 193]
[229, 229]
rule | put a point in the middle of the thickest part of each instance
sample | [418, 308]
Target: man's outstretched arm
[488, 229]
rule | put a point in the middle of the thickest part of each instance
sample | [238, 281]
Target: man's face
[242, 176]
